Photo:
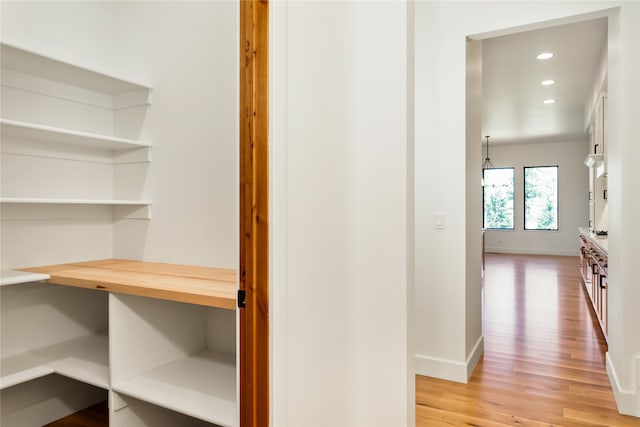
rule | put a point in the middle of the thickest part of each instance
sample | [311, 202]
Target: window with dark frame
[498, 198]
[541, 198]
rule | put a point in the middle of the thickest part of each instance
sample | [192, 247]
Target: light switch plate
[439, 223]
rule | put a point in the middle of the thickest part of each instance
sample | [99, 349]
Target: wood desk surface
[214, 287]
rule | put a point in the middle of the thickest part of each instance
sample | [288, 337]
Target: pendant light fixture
[487, 162]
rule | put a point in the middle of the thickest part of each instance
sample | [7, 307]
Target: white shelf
[22, 130]
[12, 277]
[202, 386]
[84, 359]
[19, 200]
[22, 368]
[29, 62]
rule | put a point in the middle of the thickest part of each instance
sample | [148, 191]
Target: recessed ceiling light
[548, 82]
[545, 55]
[549, 101]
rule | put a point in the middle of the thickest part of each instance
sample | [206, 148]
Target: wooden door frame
[254, 212]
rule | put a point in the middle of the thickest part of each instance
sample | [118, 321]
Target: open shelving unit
[200, 385]
[73, 151]
[157, 339]
[54, 349]
[185, 315]
[71, 135]
[186, 366]
[183, 368]
[49, 329]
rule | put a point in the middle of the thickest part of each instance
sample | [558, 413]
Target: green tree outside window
[498, 198]
[541, 198]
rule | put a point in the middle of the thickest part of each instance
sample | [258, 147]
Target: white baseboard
[532, 251]
[628, 401]
[474, 356]
[637, 414]
[450, 370]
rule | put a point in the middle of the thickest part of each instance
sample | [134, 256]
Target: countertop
[600, 241]
[215, 287]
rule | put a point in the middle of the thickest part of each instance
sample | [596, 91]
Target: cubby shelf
[201, 386]
[85, 359]
[31, 131]
[25, 61]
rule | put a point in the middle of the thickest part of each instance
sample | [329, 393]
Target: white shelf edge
[78, 359]
[15, 277]
[73, 369]
[19, 200]
[24, 376]
[156, 387]
[108, 142]
[134, 85]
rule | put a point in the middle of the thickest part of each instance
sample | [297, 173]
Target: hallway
[544, 355]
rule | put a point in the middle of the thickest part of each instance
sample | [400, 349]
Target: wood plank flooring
[544, 355]
[94, 416]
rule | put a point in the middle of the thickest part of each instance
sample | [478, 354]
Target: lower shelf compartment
[44, 400]
[85, 359]
[94, 416]
[202, 386]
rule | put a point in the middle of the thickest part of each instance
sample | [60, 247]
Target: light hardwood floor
[544, 356]
[94, 416]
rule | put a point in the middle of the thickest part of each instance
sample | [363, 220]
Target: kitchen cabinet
[597, 162]
[594, 270]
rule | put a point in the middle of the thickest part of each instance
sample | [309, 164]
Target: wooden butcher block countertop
[214, 287]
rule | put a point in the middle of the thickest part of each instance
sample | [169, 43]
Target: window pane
[541, 198]
[498, 198]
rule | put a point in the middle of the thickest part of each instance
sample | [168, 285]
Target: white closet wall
[188, 51]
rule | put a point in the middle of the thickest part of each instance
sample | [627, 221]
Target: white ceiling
[513, 108]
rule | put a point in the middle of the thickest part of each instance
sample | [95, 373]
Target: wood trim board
[254, 212]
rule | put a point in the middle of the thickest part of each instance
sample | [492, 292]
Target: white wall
[623, 155]
[78, 32]
[474, 341]
[441, 28]
[188, 51]
[573, 204]
[340, 215]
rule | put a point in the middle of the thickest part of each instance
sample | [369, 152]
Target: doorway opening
[474, 137]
